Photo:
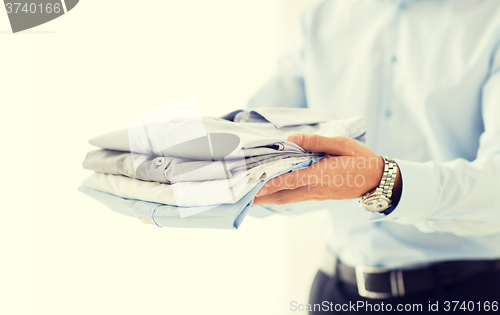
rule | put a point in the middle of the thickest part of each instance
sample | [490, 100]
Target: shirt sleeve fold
[458, 196]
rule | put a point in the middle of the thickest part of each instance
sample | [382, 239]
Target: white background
[95, 70]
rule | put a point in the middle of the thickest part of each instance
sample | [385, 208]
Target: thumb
[338, 145]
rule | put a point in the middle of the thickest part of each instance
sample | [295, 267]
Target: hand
[349, 170]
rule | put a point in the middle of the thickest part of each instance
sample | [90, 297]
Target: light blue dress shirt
[223, 216]
[426, 76]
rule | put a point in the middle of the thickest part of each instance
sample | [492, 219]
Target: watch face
[377, 203]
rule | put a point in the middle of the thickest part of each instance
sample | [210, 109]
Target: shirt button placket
[388, 112]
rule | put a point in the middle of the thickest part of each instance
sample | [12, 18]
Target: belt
[382, 283]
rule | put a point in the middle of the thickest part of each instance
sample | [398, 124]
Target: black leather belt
[381, 283]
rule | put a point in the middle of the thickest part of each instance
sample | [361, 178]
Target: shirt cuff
[420, 190]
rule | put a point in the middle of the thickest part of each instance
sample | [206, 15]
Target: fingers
[339, 145]
[286, 196]
[289, 181]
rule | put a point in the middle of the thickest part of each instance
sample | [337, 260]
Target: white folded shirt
[208, 138]
[189, 194]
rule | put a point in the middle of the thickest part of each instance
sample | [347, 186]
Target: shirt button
[394, 59]
[177, 119]
[160, 161]
[388, 113]
[145, 220]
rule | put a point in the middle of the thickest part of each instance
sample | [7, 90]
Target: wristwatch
[380, 199]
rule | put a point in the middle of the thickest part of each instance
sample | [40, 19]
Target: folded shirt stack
[203, 171]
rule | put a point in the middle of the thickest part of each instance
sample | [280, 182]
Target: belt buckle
[396, 278]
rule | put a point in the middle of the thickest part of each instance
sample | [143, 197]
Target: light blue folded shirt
[224, 216]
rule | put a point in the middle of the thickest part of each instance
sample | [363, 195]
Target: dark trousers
[478, 295]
